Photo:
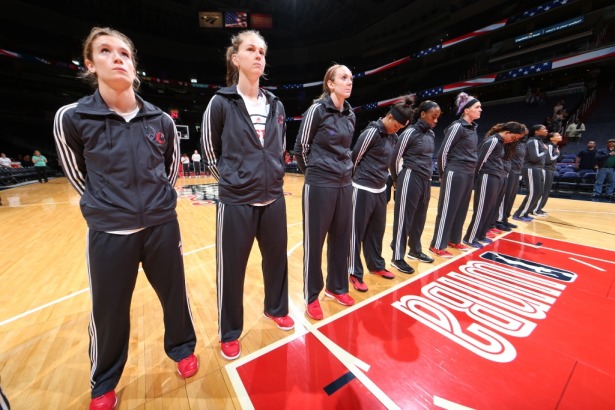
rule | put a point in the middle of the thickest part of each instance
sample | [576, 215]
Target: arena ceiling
[304, 31]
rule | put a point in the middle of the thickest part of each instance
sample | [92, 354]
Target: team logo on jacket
[280, 119]
[156, 136]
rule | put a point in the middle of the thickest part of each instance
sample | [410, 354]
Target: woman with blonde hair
[456, 165]
[244, 138]
[322, 150]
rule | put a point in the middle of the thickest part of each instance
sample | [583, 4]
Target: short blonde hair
[329, 76]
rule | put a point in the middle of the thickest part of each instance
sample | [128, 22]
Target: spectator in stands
[559, 106]
[411, 168]
[370, 156]
[5, 161]
[131, 216]
[549, 122]
[456, 166]
[586, 159]
[605, 161]
[185, 165]
[551, 156]
[322, 150]
[246, 157]
[40, 165]
[558, 121]
[575, 130]
[26, 161]
[533, 178]
[541, 96]
[196, 163]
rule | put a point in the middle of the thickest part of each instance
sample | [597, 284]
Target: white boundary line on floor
[304, 326]
[72, 295]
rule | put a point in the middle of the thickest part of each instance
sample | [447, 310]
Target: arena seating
[15, 176]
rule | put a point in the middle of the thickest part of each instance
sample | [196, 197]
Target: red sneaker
[107, 401]
[283, 322]
[490, 235]
[443, 253]
[458, 246]
[384, 274]
[314, 311]
[357, 283]
[343, 299]
[230, 350]
[188, 366]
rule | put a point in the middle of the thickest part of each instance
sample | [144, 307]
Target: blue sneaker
[474, 244]
[522, 218]
[484, 240]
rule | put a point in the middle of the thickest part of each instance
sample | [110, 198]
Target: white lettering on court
[500, 303]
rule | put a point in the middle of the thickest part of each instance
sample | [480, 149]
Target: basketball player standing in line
[322, 150]
[456, 166]
[129, 208]
[244, 138]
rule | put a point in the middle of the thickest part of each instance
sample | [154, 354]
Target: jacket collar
[231, 93]
[467, 124]
[328, 103]
[422, 126]
[95, 105]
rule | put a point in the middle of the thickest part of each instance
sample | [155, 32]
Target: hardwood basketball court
[45, 306]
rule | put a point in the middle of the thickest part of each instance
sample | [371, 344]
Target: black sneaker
[420, 257]
[513, 226]
[402, 266]
[503, 227]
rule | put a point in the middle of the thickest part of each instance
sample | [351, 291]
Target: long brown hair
[232, 72]
[92, 78]
[512, 127]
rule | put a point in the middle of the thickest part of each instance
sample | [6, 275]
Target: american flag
[537, 10]
[382, 103]
[429, 50]
[543, 8]
[476, 33]
[236, 19]
[527, 70]
[584, 57]
[431, 92]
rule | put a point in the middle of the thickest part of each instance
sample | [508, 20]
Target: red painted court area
[526, 322]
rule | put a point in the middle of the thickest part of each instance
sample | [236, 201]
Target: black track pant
[369, 222]
[487, 194]
[534, 182]
[113, 264]
[4, 402]
[41, 173]
[453, 203]
[412, 197]
[327, 212]
[236, 228]
[548, 176]
[510, 193]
